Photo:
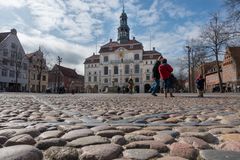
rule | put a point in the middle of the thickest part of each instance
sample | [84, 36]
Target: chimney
[153, 48]
[14, 31]
[133, 38]
[111, 40]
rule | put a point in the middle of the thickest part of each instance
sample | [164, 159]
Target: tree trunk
[219, 74]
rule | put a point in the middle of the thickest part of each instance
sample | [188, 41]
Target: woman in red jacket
[165, 71]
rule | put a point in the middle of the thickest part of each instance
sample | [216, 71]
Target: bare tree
[233, 20]
[196, 57]
[17, 60]
[41, 66]
[233, 8]
[181, 73]
[37, 62]
[215, 36]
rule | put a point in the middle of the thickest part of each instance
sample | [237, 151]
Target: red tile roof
[92, 59]
[130, 45]
[68, 72]
[3, 36]
[151, 54]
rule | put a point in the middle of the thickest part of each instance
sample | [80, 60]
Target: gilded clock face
[121, 54]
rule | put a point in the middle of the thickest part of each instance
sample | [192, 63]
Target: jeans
[155, 86]
[167, 84]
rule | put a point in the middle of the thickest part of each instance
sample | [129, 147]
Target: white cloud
[174, 10]
[12, 3]
[68, 28]
[73, 54]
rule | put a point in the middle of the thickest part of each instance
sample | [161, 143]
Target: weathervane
[123, 5]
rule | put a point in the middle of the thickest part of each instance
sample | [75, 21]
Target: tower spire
[123, 29]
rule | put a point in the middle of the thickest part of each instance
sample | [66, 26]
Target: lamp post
[189, 76]
[59, 60]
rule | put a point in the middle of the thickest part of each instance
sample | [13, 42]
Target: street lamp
[189, 79]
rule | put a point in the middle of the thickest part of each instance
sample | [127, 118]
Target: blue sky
[71, 28]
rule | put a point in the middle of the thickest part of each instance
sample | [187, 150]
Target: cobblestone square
[119, 126]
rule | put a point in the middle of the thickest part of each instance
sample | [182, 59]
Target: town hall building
[117, 61]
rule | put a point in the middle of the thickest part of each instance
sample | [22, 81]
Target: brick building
[231, 69]
[230, 72]
[67, 78]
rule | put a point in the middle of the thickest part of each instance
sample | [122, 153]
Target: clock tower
[123, 29]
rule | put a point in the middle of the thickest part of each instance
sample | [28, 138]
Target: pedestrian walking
[156, 77]
[165, 71]
[200, 85]
[130, 85]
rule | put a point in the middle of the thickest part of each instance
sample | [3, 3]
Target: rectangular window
[5, 62]
[13, 45]
[89, 79]
[33, 88]
[136, 68]
[115, 80]
[4, 72]
[13, 53]
[38, 77]
[126, 69]
[105, 80]
[24, 66]
[12, 63]
[147, 77]
[24, 76]
[105, 70]
[95, 78]
[115, 69]
[11, 74]
[44, 78]
[43, 88]
[33, 77]
[136, 80]
[126, 80]
[105, 59]
[136, 56]
[5, 52]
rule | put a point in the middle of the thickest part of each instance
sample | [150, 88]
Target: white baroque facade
[13, 63]
[117, 61]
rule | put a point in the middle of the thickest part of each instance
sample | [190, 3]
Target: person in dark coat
[165, 71]
[130, 85]
[156, 77]
[200, 85]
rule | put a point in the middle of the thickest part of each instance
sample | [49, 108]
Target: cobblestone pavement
[119, 126]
